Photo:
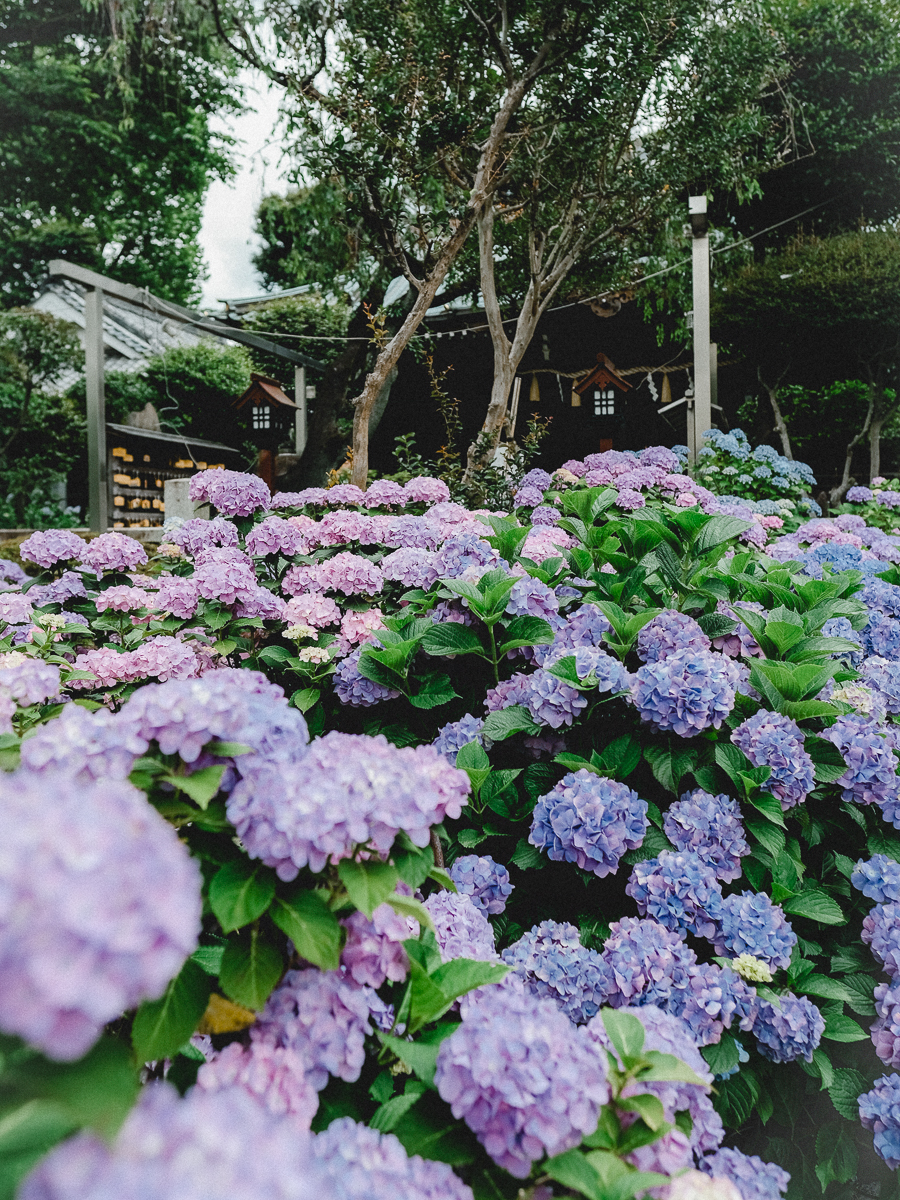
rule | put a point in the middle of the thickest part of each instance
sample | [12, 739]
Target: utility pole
[702, 406]
[98, 496]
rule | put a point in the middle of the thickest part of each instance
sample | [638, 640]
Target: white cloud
[226, 235]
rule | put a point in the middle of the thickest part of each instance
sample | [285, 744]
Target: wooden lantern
[272, 416]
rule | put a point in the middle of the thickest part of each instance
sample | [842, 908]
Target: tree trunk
[780, 423]
[875, 447]
[836, 495]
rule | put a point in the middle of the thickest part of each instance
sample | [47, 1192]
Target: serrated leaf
[666, 1067]
[500, 725]
[816, 906]
[209, 958]
[526, 856]
[769, 806]
[862, 993]
[228, 749]
[368, 883]
[824, 986]
[250, 970]
[848, 1085]
[839, 1028]
[767, 834]
[625, 1032]
[472, 757]
[240, 892]
[312, 927]
[305, 698]
[525, 631]
[469, 838]
[722, 1057]
[161, 1026]
[421, 1055]
[201, 785]
[574, 1172]
[450, 637]
[434, 691]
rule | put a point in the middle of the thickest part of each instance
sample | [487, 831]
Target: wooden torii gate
[97, 286]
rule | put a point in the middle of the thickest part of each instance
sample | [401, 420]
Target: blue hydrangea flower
[711, 827]
[775, 741]
[840, 627]
[713, 998]
[538, 478]
[483, 880]
[789, 1030]
[679, 890]
[351, 687]
[859, 495]
[752, 924]
[879, 1110]
[456, 734]
[883, 677]
[589, 820]
[753, 1178]
[554, 965]
[870, 777]
[529, 597]
[878, 879]
[882, 636]
[886, 1029]
[465, 550]
[552, 701]
[650, 964]
[881, 931]
[687, 692]
[668, 632]
[583, 627]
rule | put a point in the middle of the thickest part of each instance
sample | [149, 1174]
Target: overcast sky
[226, 235]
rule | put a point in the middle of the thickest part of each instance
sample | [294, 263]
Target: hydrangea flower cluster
[456, 734]
[274, 1075]
[347, 791]
[113, 552]
[523, 1078]
[775, 741]
[554, 965]
[871, 775]
[231, 492]
[686, 692]
[352, 687]
[649, 963]
[551, 701]
[275, 535]
[788, 1030]
[878, 878]
[87, 745]
[461, 928]
[752, 924]
[755, 1179]
[350, 574]
[881, 931]
[883, 677]
[48, 547]
[711, 827]
[99, 907]
[589, 820]
[484, 881]
[679, 890]
[879, 1110]
[886, 1029]
[374, 949]
[27, 680]
[667, 633]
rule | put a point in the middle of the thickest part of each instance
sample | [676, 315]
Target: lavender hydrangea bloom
[323, 1017]
[198, 534]
[275, 535]
[529, 597]
[69, 586]
[881, 931]
[545, 514]
[15, 608]
[228, 583]
[312, 608]
[88, 745]
[113, 552]
[538, 478]
[754, 1179]
[752, 924]
[667, 633]
[879, 878]
[205, 1146]
[711, 827]
[183, 715]
[883, 677]
[524, 1079]
[879, 1110]
[551, 701]
[99, 907]
[712, 999]
[555, 966]
[508, 693]
[610, 674]
[384, 493]
[886, 1029]
[351, 574]
[461, 928]
[465, 550]
[741, 641]
[425, 489]
[528, 497]
[484, 881]
[274, 1075]
[351, 687]
[411, 567]
[583, 627]
[178, 596]
[589, 820]
[687, 692]
[50, 546]
[348, 790]
[28, 680]
[231, 492]
[882, 636]
[871, 764]
[669, 1035]
[456, 734]
[789, 1030]
[121, 598]
[374, 948]
[649, 963]
[679, 890]
[775, 741]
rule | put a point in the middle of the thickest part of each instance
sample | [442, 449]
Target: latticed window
[604, 402]
[262, 416]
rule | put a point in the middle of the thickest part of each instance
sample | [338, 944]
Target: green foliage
[313, 314]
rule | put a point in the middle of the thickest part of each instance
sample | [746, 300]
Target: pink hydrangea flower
[274, 1075]
[275, 535]
[231, 492]
[122, 598]
[113, 552]
[312, 608]
[351, 574]
[178, 596]
[15, 608]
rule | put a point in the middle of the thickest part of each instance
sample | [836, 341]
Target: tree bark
[836, 495]
[781, 428]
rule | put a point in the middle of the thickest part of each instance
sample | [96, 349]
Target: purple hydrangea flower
[669, 1035]
[687, 692]
[178, 596]
[589, 820]
[551, 701]
[351, 687]
[275, 535]
[323, 1017]
[610, 674]
[461, 928]
[538, 478]
[528, 497]
[881, 930]
[88, 745]
[886, 1029]
[340, 527]
[425, 489]
[15, 608]
[312, 608]
[374, 948]
[385, 493]
[50, 546]
[348, 790]
[545, 514]
[679, 890]
[711, 827]
[741, 641]
[529, 597]
[99, 907]
[775, 741]
[29, 681]
[752, 924]
[198, 534]
[508, 693]
[463, 551]
[274, 1075]
[183, 715]
[221, 1143]
[113, 552]
[711, 999]
[69, 586]
[788, 1030]
[164, 658]
[583, 627]
[882, 636]
[121, 598]
[231, 492]
[344, 493]
[351, 574]
[871, 764]
[453, 736]
[754, 1179]
[523, 1078]
[484, 881]
[883, 677]
[649, 964]
[412, 533]
[879, 878]
[879, 1110]
[554, 965]
[411, 567]
[227, 582]
[310, 495]
[859, 495]
[629, 499]
[667, 633]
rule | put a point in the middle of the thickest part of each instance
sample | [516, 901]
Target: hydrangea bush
[387, 844]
